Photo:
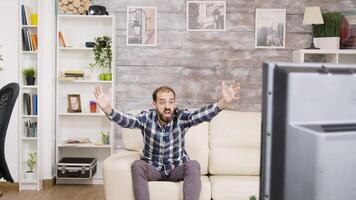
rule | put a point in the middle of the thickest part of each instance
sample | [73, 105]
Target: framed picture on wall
[74, 104]
[206, 16]
[141, 26]
[270, 28]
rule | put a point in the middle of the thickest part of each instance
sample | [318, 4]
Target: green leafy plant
[104, 137]
[102, 53]
[253, 197]
[331, 26]
[29, 72]
[31, 161]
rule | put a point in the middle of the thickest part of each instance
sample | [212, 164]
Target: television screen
[308, 132]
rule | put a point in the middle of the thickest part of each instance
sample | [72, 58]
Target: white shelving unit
[325, 56]
[29, 144]
[76, 30]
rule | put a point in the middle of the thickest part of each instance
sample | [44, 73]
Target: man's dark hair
[162, 89]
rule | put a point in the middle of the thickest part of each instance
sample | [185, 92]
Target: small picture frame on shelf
[74, 104]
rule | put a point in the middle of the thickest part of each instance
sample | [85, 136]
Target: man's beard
[166, 115]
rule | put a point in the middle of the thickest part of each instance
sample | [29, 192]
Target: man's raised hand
[229, 93]
[103, 99]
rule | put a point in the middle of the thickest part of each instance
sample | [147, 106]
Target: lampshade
[312, 15]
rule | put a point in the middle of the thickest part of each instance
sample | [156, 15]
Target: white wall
[9, 41]
[47, 89]
[9, 35]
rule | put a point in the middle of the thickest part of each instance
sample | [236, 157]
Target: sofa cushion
[235, 161]
[235, 139]
[234, 187]
[196, 141]
[163, 190]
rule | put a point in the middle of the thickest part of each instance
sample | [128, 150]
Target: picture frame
[141, 26]
[206, 16]
[270, 28]
[74, 103]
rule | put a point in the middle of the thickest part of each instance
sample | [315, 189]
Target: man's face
[165, 105]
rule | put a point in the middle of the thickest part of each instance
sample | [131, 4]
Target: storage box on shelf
[80, 123]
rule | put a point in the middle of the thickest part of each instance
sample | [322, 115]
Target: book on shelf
[61, 39]
[25, 15]
[77, 140]
[29, 40]
[66, 78]
[24, 40]
[34, 41]
[30, 103]
[74, 73]
[34, 97]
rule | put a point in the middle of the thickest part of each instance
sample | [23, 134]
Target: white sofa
[227, 148]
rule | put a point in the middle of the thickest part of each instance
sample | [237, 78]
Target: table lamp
[312, 15]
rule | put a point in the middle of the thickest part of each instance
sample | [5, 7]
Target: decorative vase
[30, 80]
[108, 77]
[105, 77]
[102, 77]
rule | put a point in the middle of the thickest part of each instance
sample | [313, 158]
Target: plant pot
[30, 175]
[327, 43]
[30, 80]
[102, 44]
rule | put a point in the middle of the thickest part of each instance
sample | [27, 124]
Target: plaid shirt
[164, 145]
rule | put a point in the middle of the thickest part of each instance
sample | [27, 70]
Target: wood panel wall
[194, 63]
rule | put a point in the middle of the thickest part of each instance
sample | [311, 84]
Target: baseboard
[48, 183]
[7, 186]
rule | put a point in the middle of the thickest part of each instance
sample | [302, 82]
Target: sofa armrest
[117, 175]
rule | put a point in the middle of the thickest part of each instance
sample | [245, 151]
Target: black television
[308, 147]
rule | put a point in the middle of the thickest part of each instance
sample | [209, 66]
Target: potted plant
[327, 35]
[105, 137]
[253, 197]
[103, 57]
[29, 74]
[31, 163]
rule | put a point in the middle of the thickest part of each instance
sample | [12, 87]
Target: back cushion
[132, 138]
[235, 139]
[196, 142]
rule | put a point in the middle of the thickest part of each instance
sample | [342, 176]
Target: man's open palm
[230, 92]
[103, 99]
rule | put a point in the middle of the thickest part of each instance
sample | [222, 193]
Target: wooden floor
[54, 192]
